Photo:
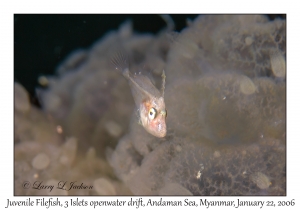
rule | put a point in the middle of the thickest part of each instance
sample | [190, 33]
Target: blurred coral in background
[225, 96]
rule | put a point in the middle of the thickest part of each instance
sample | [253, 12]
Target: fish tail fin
[120, 63]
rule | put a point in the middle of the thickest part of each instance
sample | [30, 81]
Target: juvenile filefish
[148, 99]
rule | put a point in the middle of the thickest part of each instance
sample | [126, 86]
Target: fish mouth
[159, 135]
[161, 130]
[162, 135]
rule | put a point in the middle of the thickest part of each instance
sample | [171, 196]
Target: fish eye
[164, 113]
[152, 113]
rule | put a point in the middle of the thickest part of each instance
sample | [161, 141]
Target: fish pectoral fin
[140, 121]
[138, 116]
